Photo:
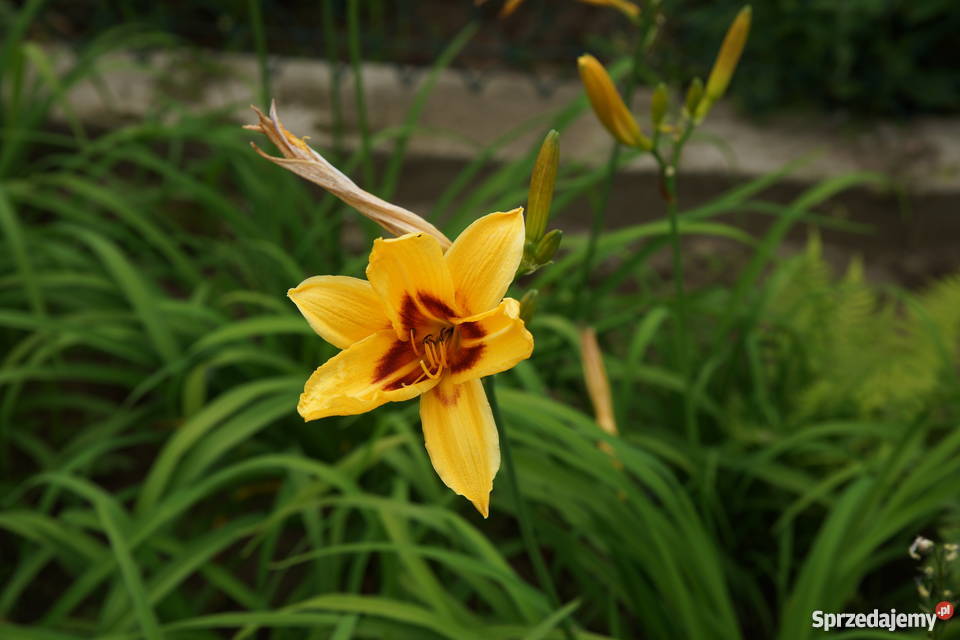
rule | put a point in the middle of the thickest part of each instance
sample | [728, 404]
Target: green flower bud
[528, 305]
[547, 246]
[658, 105]
[694, 95]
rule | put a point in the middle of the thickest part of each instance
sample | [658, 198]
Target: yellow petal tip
[483, 505]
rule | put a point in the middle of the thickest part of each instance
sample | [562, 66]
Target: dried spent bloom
[430, 324]
[608, 105]
[301, 159]
[598, 385]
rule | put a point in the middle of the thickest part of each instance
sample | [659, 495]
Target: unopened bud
[726, 62]
[658, 105]
[528, 305]
[628, 9]
[542, 181]
[547, 247]
[508, 8]
[608, 105]
[598, 385]
[694, 95]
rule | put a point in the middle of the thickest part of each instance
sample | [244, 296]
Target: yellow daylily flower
[430, 324]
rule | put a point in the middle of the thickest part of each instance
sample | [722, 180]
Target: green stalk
[668, 173]
[596, 228]
[336, 107]
[395, 164]
[523, 516]
[335, 244]
[260, 43]
[356, 64]
[600, 212]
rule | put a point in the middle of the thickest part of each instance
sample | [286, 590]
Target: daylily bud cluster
[541, 245]
[614, 114]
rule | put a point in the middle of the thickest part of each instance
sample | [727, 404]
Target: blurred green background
[157, 482]
[870, 57]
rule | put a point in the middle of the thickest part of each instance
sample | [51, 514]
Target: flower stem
[668, 174]
[580, 305]
[356, 63]
[260, 43]
[523, 516]
[596, 228]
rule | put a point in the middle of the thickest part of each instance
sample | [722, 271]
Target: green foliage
[866, 355]
[156, 482]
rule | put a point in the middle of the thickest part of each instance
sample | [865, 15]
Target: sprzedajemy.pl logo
[876, 619]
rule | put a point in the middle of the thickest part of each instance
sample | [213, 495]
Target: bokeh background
[158, 483]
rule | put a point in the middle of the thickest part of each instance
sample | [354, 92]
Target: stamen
[413, 342]
[428, 352]
[422, 376]
[432, 376]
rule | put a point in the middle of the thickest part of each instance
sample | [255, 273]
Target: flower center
[433, 351]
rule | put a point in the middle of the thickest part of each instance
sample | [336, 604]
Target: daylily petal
[490, 342]
[461, 439]
[376, 370]
[483, 260]
[342, 310]
[413, 281]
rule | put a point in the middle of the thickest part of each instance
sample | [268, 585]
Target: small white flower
[920, 546]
